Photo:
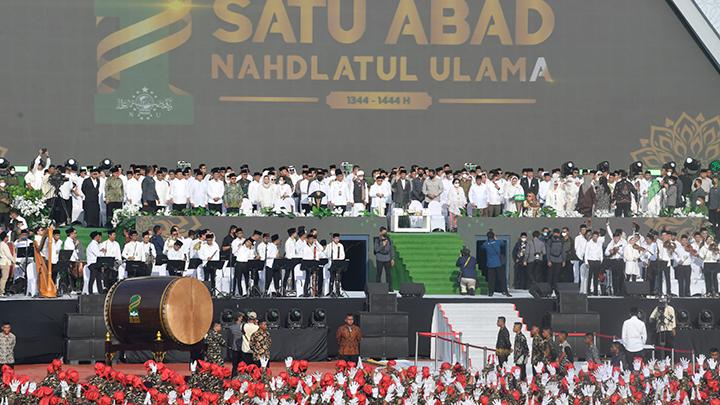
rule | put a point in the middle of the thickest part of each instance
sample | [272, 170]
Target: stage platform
[39, 323]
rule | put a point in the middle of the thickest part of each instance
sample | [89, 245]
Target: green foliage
[509, 214]
[25, 192]
[320, 212]
[191, 212]
[548, 212]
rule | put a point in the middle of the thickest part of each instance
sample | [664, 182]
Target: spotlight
[272, 316]
[4, 163]
[692, 164]
[105, 164]
[318, 319]
[227, 316]
[567, 168]
[706, 319]
[636, 168]
[683, 319]
[603, 166]
[294, 319]
[669, 165]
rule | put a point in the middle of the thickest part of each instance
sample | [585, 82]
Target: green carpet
[84, 234]
[429, 259]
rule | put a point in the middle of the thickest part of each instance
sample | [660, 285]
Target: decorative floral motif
[695, 137]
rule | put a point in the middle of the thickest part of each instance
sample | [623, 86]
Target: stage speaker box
[82, 326]
[637, 287]
[568, 287]
[573, 303]
[91, 304]
[376, 324]
[382, 302]
[376, 288]
[575, 323]
[412, 290]
[540, 290]
[388, 347]
[84, 349]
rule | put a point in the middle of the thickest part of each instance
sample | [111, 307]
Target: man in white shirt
[198, 191]
[335, 251]
[581, 276]
[215, 192]
[209, 251]
[543, 188]
[615, 261]
[253, 190]
[478, 196]
[593, 257]
[634, 336]
[93, 252]
[244, 253]
[133, 190]
[179, 192]
[340, 195]
[272, 272]
[666, 248]
[162, 188]
[318, 184]
[495, 196]
[378, 196]
[311, 252]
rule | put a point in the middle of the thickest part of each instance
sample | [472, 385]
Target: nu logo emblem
[133, 84]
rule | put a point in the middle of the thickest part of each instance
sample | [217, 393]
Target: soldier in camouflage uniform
[520, 349]
[215, 345]
[537, 347]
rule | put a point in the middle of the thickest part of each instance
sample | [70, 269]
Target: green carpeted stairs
[429, 259]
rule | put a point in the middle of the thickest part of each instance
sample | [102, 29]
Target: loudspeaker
[376, 288]
[84, 349]
[540, 290]
[575, 323]
[568, 287]
[375, 324]
[389, 347]
[83, 326]
[412, 290]
[91, 304]
[382, 302]
[637, 287]
[573, 303]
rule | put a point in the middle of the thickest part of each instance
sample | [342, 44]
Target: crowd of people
[603, 261]
[93, 194]
[257, 263]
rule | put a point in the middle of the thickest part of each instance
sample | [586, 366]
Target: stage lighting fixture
[706, 319]
[272, 316]
[294, 319]
[636, 168]
[683, 319]
[227, 316]
[4, 163]
[669, 165]
[692, 164]
[105, 164]
[603, 166]
[318, 318]
[567, 168]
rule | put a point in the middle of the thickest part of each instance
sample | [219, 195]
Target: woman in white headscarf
[514, 195]
[283, 196]
[266, 193]
[456, 200]
[555, 198]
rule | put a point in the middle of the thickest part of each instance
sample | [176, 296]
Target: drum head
[187, 310]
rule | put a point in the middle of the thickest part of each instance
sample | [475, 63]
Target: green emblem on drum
[133, 312]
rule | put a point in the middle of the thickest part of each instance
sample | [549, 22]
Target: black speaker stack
[574, 317]
[385, 329]
[85, 331]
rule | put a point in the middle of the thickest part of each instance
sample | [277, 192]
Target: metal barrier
[460, 351]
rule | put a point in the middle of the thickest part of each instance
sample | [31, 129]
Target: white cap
[360, 173]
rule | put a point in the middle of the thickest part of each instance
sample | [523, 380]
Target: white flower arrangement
[28, 208]
[126, 212]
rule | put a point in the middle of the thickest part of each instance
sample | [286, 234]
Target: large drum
[181, 309]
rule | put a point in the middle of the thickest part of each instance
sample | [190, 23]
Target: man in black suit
[91, 205]
[401, 190]
[417, 183]
[529, 182]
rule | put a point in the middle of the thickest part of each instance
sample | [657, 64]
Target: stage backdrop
[374, 82]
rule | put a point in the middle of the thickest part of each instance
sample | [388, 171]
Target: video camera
[56, 180]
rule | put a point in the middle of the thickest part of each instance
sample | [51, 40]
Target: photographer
[53, 182]
[664, 317]
[467, 276]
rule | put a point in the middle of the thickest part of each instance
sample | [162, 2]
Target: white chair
[86, 280]
[357, 209]
[435, 212]
[159, 271]
[246, 207]
[31, 277]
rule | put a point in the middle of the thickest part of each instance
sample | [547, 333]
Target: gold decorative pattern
[3, 151]
[681, 226]
[183, 224]
[686, 136]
